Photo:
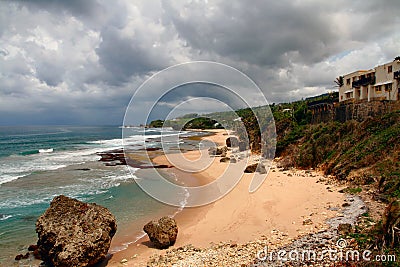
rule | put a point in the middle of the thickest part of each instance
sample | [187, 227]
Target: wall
[354, 111]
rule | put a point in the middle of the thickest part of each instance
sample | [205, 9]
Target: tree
[339, 81]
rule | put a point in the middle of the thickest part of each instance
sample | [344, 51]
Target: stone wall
[358, 111]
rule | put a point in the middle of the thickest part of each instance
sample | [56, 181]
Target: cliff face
[366, 152]
[73, 233]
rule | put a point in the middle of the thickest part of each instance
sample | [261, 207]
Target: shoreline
[240, 217]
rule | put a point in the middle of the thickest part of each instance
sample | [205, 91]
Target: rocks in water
[113, 157]
[32, 247]
[22, 257]
[225, 159]
[232, 142]
[345, 229]
[162, 233]
[74, 233]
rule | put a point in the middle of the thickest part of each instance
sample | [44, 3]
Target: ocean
[38, 163]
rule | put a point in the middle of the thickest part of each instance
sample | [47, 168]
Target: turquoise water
[39, 163]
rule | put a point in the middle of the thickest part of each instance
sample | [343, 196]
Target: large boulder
[74, 233]
[162, 233]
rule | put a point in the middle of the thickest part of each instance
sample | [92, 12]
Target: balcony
[396, 74]
[363, 82]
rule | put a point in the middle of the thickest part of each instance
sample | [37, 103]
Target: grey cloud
[261, 32]
[86, 58]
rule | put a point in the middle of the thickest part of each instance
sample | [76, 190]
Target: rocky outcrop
[113, 157]
[74, 233]
[162, 233]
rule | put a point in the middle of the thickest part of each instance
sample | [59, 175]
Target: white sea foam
[49, 150]
[4, 217]
[82, 188]
[125, 245]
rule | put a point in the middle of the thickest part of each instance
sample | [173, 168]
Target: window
[378, 88]
[388, 87]
[348, 81]
[390, 69]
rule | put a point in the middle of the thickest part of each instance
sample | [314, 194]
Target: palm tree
[339, 81]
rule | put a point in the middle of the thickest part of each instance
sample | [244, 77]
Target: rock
[124, 261]
[261, 169]
[232, 142]
[32, 247]
[22, 257]
[233, 160]
[74, 233]
[255, 168]
[212, 151]
[162, 233]
[251, 168]
[36, 254]
[225, 159]
[345, 205]
[345, 228]
[18, 257]
[242, 146]
[307, 222]
[116, 157]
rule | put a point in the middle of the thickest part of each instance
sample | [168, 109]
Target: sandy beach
[291, 202]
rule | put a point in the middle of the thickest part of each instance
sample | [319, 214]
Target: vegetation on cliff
[359, 153]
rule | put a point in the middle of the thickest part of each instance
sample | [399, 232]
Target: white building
[380, 83]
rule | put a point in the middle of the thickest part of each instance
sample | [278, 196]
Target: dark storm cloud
[124, 57]
[86, 58]
[258, 32]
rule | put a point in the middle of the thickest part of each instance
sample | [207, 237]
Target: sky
[80, 62]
